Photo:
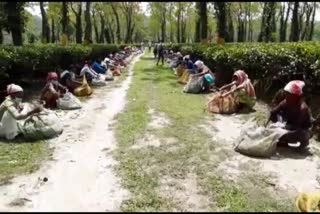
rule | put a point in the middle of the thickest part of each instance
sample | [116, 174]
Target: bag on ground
[184, 77]
[68, 102]
[222, 105]
[109, 76]
[98, 82]
[258, 141]
[84, 89]
[194, 85]
[44, 125]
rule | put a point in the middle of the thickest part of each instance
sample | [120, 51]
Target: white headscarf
[186, 57]
[199, 64]
[13, 88]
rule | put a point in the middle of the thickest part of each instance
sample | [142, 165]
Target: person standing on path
[155, 50]
[160, 53]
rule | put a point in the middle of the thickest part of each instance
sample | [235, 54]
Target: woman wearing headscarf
[68, 79]
[189, 66]
[206, 73]
[52, 90]
[242, 89]
[11, 110]
[296, 113]
[88, 72]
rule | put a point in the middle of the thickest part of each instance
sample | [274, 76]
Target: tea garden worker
[296, 113]
[203, 70]
[11, 111]
[52, 91]
[242, 89]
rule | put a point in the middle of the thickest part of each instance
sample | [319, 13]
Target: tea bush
[278, 61]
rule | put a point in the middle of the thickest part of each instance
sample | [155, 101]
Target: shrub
[260, 60]
[30, 59]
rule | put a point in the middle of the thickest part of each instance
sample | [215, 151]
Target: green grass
[18, 157]
[142, 169]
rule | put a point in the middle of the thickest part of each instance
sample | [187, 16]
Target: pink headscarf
[242, 78]
[295, 87]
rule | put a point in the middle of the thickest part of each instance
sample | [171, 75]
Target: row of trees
[235, 21]
[99, 22]
[116, 22]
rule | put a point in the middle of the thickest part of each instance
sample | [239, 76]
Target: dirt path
[286, 171]
[80, 176]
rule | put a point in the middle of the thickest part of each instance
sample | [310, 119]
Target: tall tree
[220, 8]
[102, 27]
[284, 15]
[78, 25]
[45, 24]
[88, 28]
[15, 20]
[203, 20]
[179, 13]
[54, 14]
[64, 18]
[114, 6]
[312, 21]
[267, 24]
[198, 23]
[294, 33]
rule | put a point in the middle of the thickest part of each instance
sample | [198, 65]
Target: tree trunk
[284, 22]
[163, 22]
[15, 21]
[307, 25]
[95, 27]
[179, 23]
[88, 28]
[203, 20]
[102, 30]
[221, 19]
[78, 25]
[294, 34]
[118, 22]
[300, 19]
[261, 35]
[197, 34]
[312, 22]
[1, 36]
[273, 23]
[64, 18]
[230, 37]
[250, 30]
[45, 25]
[53, 39]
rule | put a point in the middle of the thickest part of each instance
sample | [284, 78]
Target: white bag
[98, 82]
[68, 102]
[259, 141]
[44, 125]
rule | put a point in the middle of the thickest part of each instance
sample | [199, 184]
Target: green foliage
[46, 57]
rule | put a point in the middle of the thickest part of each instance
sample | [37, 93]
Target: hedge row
[30, 59]
[261, 61]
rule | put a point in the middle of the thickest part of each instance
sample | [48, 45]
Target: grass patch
[18, 157]
[141, 170]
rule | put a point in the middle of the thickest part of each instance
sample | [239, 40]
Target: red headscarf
[242, 79]
[295, 87]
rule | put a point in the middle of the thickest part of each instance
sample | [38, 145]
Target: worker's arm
[20, 116]
[276, 110]
[227, 86]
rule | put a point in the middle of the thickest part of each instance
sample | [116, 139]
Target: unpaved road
[287, 170]
[80, 176]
